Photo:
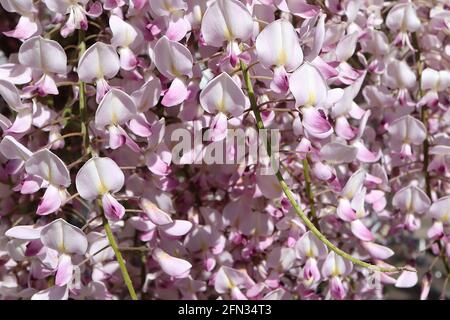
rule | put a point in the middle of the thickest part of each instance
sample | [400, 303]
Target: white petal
[97, 177]
[48, 166]
[46, 55]
[278, 45]
[222, 94]
[99, 61]
[64, 237]
[116, 108]
[172, 58]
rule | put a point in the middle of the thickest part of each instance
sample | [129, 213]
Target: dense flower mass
[224, 149]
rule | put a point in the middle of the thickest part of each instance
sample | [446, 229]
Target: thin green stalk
[82, 97]
[123, 268]
[290, 196]
[87, 150]
[309, 192]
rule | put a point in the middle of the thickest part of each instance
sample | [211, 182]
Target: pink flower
[99, 177]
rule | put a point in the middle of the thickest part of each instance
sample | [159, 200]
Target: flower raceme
[356, 94]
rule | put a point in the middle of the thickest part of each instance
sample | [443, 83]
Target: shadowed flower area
[224, 149]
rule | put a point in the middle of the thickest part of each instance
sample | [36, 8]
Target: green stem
[123, 268]
[309, 192]
[87, 150]
[288, 193]
[82, 97]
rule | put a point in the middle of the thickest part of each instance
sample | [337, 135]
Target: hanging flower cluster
[99, 201]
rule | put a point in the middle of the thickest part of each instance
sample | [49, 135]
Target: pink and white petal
[97, 177]
[53, 293]
[124, 33]
[436, 231]
[156, 164]
[141, 224]
[140, 126]
[63, 237]
[269, 186]
[128, 59]
[326, 69]
[148, 95]
[361, 231]
[309, 246]
[343, 129]
[45, 85]
[302, 9]
[319, 37]
[116, 108]
[174, 267]
[407, 279]
[99, 61]
[223, 94]
[346, 46]
[15, 73]
[176, 94]
[177, 228]
[364, 154]
[116, 138]
[11, 95]
[311, 92]
[113, 210]
[172, 58]
[5, 123]
[337, 153]
[429, 79]
[156, 215]
[440, 209]
[280, 82]
[377, 251]
[167, 7]
[24, 232]
[322, 171]
[226, 20]
[178, 28]
[130, 142]
[316, 124]
[354, 184]
[345, 211]
[227, 278]
[22, 123]
[64, 272]
[50, 202]
[278, 45]
[25, 28]
[95, 10]
[43, 54]
[48, 166]
[158, 131]
[411, 199]
[218, 128]
[311, 273]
